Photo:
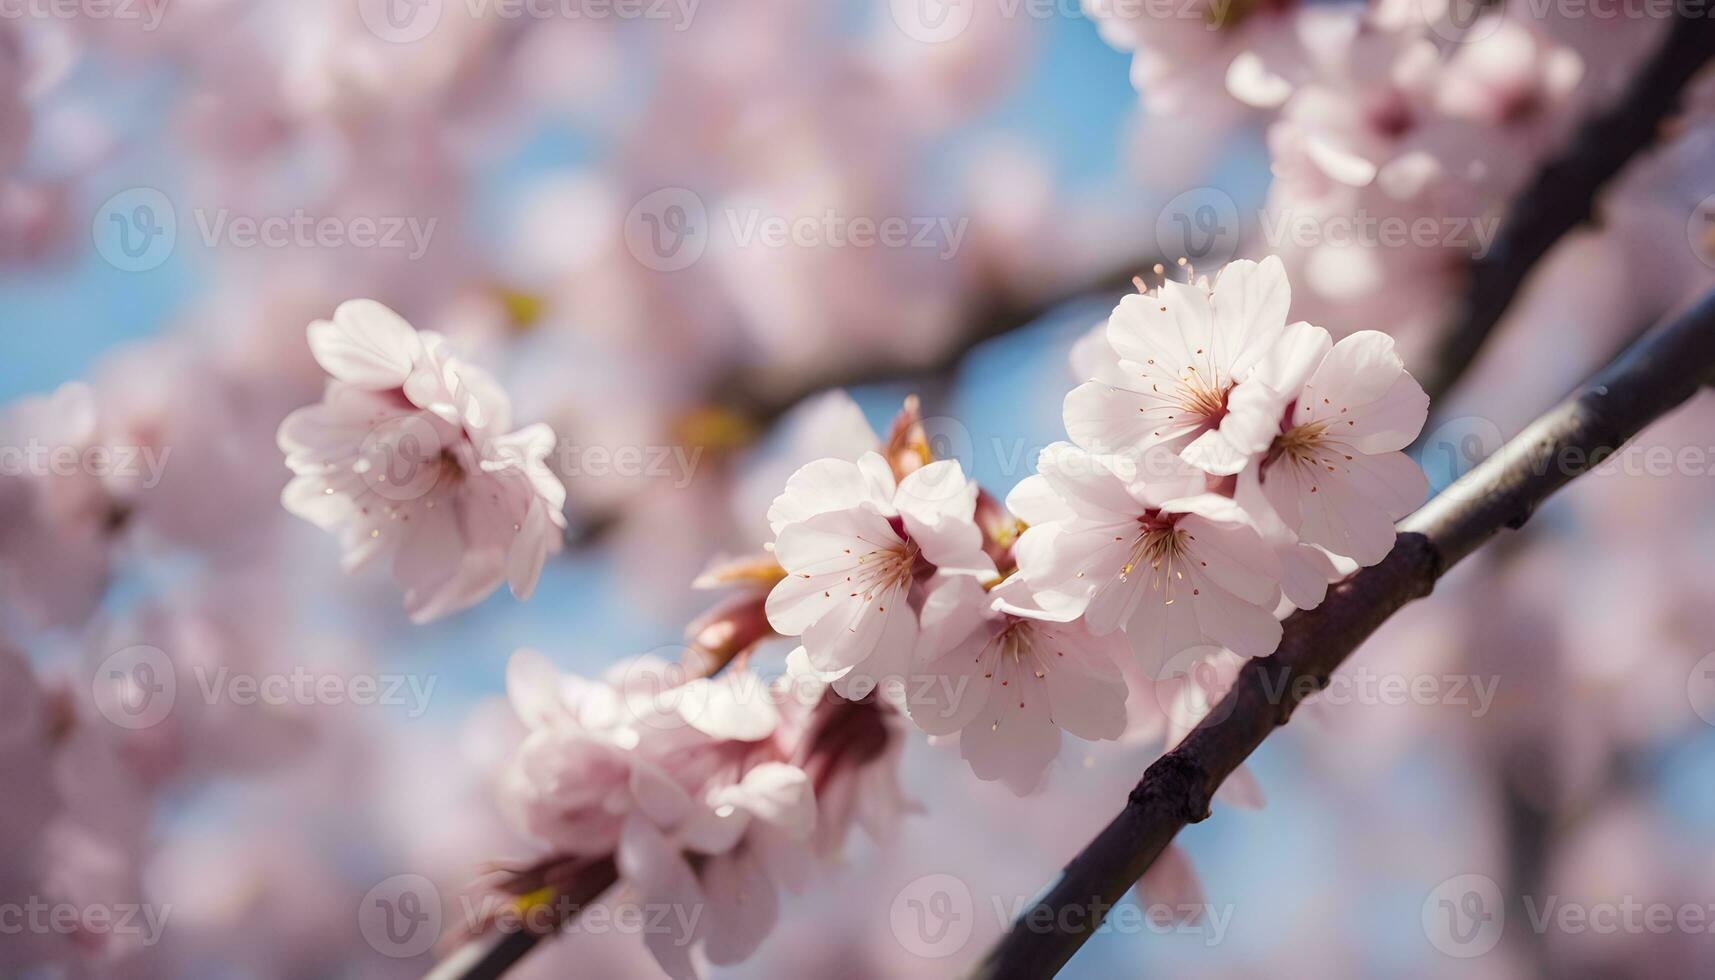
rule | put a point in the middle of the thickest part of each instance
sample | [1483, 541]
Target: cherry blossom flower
[570, 783]
[856, 546]
[1181, 53]
[1176, 571]
[749, 836]
[409, 455]
[690, 792]
[1011, 681]
[1176, 373]
[1335, 472]
[1367, 115]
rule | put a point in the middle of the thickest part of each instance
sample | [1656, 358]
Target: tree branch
[1564, 192]
[762, 400]
[490, 956]
[1655, 375]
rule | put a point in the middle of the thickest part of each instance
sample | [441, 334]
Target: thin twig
[1655, 375]
[490, 956]
[763, 402]
[1563, 195]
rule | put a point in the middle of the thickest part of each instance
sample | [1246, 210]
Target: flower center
[1207, 399]
[889, 566]
[1162, 548]
[1299, 444]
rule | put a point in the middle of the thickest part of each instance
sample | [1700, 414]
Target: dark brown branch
[1656, 374]
[489, 956]
[1564, 192]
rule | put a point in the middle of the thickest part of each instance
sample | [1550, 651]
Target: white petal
[1250, 301]
[365, 344]
[833, 484]
[937, 504]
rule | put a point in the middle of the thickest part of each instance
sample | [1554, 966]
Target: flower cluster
[1224, 467]
[410, 455]
[1397, 131]
[710, 794]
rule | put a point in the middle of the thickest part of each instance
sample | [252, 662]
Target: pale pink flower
[1513, 74]
[1176, 373]
[570, 784]
[855, 545]
[1367, 116]
[1335, 472]
[750, 836]
[686, 786]
[1177, 570]
[58, 523]
[1185, 55]
[1009, 680]
[409, 455]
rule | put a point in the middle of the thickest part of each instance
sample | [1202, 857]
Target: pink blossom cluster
[712, 795]
[1224, 466]
[1398, 133]
[410, 456]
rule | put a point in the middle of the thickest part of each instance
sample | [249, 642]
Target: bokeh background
[539, 146]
